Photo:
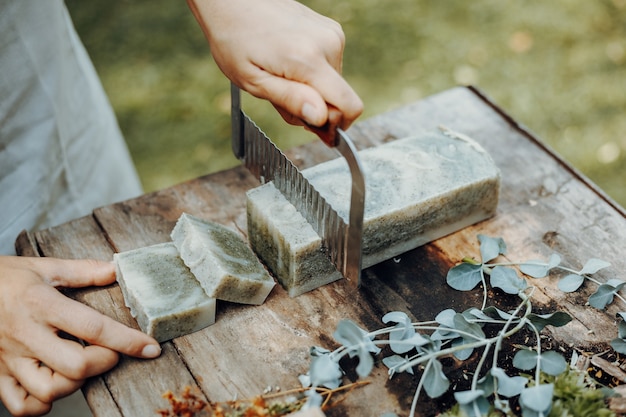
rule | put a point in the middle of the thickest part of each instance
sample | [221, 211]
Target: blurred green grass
[558, 67]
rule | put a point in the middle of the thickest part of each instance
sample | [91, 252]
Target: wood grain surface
[545, 207]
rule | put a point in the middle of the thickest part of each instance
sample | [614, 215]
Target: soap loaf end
[419, 189]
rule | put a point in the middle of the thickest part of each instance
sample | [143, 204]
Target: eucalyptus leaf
[556, 319]
[602, 297]
[366, 364]
[622, 314]
[446, 317]
[552, 363]
[399, 317]
[435, 381]
[462, 325]
[571, 282]
[325, 372]
[464, 276]
[357, 342]
[394, 362]
[593, 265]
[462, 354]
[491, 248]
[353, 337]
[537, 398]
[508, 386]
[535, 268]
[619, 345]
[467, 397]
[472, 403]
[487, 383]
[617, 283]
[525, 359]
[403, 336]
[480, 314]
[507, 280]
[496, 312]
[621, 330]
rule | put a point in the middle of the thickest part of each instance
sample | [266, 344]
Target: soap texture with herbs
[161, 292]
[221, 260]
[418, 189]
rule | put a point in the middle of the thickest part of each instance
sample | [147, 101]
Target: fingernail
[151, 351]
[310, 114]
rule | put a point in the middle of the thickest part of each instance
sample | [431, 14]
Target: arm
[281, 51]
[33, 313]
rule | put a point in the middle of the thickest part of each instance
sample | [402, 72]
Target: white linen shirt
[61, 151]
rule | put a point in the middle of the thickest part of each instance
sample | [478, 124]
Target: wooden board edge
[544, 146]
[26, 244]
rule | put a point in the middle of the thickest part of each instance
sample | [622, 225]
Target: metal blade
[341, 241]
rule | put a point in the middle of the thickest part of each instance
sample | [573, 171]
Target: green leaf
[619, 345]
[538, 268]
[325, 372]
[525, 359]
[571, 282]
[472, 403]
[552, 363]
[508, 386]
[603, 296]
[357, 342]
[556, 319]
[462, 354]
[593, 265]
[537, 398]
[621, 330]
[395, 362]
[464, 276]
[462, 325]
[467, 397]
[507, 280]
[491, 248]
[351, 336]
[435, 381]
[496, 312]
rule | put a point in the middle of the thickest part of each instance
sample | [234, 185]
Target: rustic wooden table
[545, 206]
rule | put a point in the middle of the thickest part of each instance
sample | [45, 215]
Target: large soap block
[162, 293]
[222, 261]
[418, 189]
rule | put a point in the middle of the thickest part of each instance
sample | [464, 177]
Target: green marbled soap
[418, 189]
[222, 261]
[162, 293]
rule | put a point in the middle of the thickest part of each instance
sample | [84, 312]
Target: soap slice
[419, 189]
[220, 259]
[162, 293]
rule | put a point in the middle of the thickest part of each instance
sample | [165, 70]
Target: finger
[78, 273]
[309, 100]
[71, 273]
[17, 400]
[97, 329]
[66, 357]
[41, 381]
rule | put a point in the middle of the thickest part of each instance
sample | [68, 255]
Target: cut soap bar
[222, 261]
[418, 189]
[162, 293]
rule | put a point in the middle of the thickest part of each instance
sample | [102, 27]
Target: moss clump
[576, 394]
